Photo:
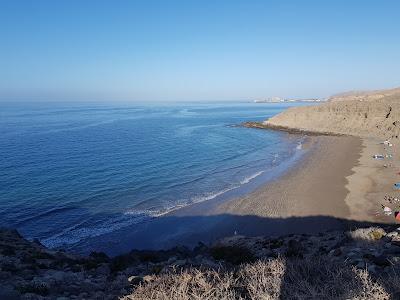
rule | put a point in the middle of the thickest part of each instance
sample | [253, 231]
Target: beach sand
[315, 186]
[372, 181]
[339, 178]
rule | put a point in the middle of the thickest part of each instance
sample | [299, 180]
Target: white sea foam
[195, 199]
[183, 203]
[74, 234]
[276, 155]
[251, 177]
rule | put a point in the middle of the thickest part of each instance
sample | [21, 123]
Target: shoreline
[173, 228]
[315, 186]
[310, 197]
[333, 185]
[339, 178]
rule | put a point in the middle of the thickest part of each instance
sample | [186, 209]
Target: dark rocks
[336, 252]
[392, 251]
[9, 292]
[381, 261]
[294, 249]
[396, 243]
[233, 254]
[99, 257]
[135, 280]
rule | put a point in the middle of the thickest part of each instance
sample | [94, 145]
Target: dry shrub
[315, 278]
[368, 288]
[189, 284]
[370, 234]
[263, 279]
[320, 278]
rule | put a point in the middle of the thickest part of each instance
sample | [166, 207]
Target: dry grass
[316, 278]
[263, 279]
[189, 284]
[371, 234]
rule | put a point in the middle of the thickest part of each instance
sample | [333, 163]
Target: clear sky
[196, 50]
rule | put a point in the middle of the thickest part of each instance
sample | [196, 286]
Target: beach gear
[397, 186]
[387, 143]
[387, 210]
[391, 199]
[397, 215]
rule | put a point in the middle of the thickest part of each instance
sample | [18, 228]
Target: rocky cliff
[368, 116]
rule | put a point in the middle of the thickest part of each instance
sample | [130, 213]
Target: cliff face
[366, 118]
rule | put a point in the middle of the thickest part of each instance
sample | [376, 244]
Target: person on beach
[388, 212]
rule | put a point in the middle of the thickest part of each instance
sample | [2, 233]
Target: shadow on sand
[170, 231]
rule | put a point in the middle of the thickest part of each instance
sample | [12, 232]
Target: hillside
[368, 115]
[359, 264]
[364, 95]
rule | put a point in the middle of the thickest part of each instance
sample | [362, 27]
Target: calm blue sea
[69, 172]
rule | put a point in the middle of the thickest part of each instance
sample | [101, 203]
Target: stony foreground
[359, 264]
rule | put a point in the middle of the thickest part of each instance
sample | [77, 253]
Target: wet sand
[316, 186]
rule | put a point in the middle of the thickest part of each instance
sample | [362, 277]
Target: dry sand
[338, 178]
[372, 181]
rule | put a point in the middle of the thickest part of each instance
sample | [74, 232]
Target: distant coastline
[288, 100]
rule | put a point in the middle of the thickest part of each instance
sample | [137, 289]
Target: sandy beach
[338, 178]
[315, 186]
[371, 181]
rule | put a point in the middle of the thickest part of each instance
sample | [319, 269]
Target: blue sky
[196, 50]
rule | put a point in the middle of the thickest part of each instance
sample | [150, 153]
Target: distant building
[278, 99]
[271, 99]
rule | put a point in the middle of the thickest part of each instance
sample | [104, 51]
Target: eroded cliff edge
[361, 116]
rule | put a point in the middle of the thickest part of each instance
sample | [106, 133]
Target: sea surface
[73, 171]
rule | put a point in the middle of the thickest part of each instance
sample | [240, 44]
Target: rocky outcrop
[373, 118]
[30, 271]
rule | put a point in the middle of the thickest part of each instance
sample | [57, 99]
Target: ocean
[73, 171]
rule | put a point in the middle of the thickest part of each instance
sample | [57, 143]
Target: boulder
[381, 261]
[295, 248]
